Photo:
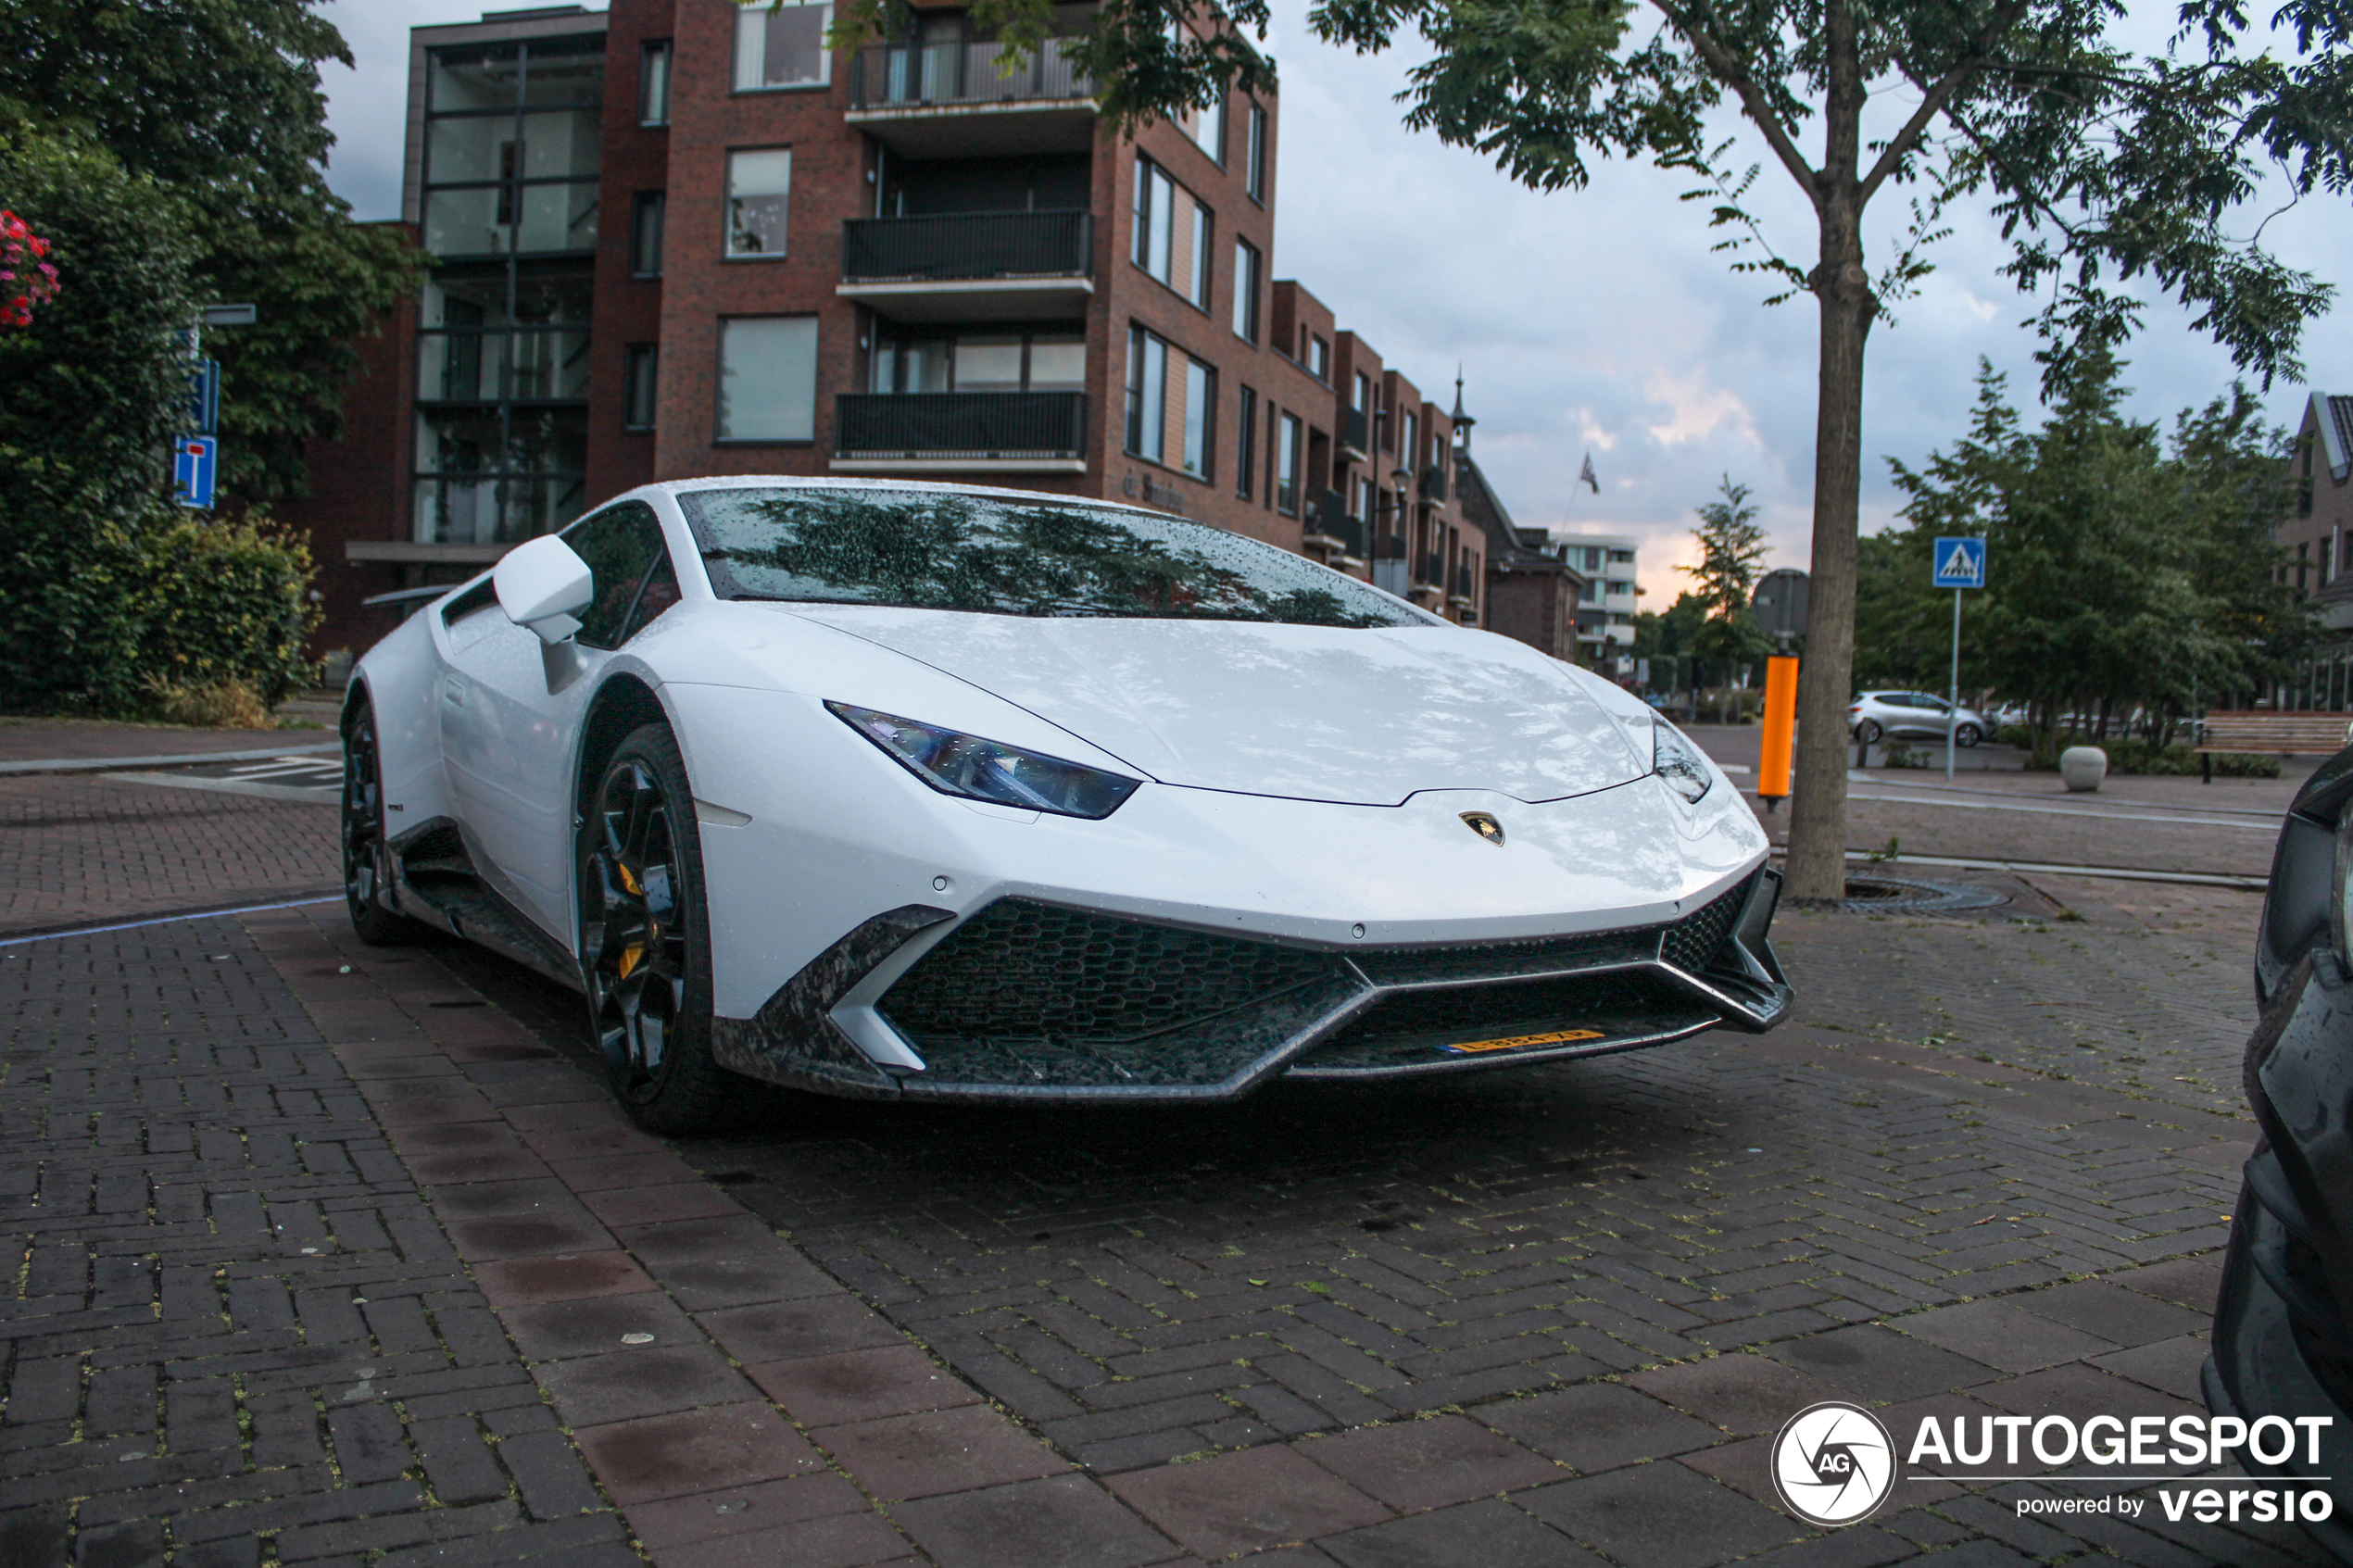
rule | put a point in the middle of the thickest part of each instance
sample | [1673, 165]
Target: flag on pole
[1585, 476]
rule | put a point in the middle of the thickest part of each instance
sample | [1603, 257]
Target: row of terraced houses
[681, 237]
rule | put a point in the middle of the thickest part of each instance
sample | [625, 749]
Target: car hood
[1306, 712]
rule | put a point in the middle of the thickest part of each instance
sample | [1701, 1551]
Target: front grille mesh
[1030, 970]
[1693, 942]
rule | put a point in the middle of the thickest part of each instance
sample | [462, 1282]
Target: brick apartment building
[680, 238]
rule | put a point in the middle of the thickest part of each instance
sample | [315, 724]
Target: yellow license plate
[1513, 1042]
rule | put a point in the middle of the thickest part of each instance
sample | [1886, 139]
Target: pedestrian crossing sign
[1960, 564]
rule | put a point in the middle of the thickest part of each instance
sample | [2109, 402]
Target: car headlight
[1681, 764]
[965, 765]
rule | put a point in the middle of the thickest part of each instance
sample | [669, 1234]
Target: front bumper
[1028, 1001]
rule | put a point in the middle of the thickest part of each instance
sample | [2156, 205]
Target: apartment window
[1048, 361]
[1618, 586]
[510, 173]
[1201, 407]
[1360, 393]
[1147, 394]
[644, 234]
[1254, 172]
[1409, 452]
[782, 45]
[653, 83]
[758, 192]
[767, 378]
[1171, 233]
[1208, 130]
[1287, 442]
[1319, 359]
[1246, 441]
[1356, 497]
[1623, 557]
[1155, 205]
[1246, 290]
[638, 382]
[1197, 278]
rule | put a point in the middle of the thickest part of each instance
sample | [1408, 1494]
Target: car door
[510, 713]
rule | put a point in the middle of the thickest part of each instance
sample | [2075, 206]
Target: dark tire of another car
[645, 942]
[1967, 734]
[367, 859]
[1867, 732]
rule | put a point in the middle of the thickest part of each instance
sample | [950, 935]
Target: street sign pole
[1953, 694]
[1956, 564]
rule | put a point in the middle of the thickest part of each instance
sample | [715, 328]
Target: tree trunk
[1816, 866]
[1818, 804]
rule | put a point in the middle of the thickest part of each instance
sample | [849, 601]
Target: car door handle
[453, 690]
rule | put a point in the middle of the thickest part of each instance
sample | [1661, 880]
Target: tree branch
[1728, 71]
[1936, 97]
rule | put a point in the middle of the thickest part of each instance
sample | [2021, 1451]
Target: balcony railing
[885, 76]
[1354, 427]
[1430, 572]
[1434, 483]
[961, 424]
[1348, 531]
[1389, 547]
[968, 245]
[1463, 582]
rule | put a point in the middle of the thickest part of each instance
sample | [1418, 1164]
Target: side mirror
[541, 585]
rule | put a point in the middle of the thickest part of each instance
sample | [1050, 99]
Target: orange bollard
[1781, 729]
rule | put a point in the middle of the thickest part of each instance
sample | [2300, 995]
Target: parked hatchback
[1914, 716]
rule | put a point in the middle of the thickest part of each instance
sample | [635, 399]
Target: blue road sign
[194, 463]
[1960, 564]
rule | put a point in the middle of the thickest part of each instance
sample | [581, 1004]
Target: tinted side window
[660, 593]
[621, 545]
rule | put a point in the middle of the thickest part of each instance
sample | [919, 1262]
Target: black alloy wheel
[1967, 734]
[644, 950]
[1867, 732]
[367, 861]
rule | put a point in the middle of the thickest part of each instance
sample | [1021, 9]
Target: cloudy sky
[1595, 319]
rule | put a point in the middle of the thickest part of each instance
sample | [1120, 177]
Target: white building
[1606, 616]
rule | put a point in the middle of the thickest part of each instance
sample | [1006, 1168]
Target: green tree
[1731, 547]
[219, 102]
[2104, 168]
[2132, 572]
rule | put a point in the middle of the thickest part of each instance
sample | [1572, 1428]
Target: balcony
[971, 266]
[930, 100]
[1462, 594]
[1434, 484]
[1329, 526]
[959, 432]
[1430, 572]
[1354, 433]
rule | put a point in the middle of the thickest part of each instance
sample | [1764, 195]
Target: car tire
[1967, 734]
[645, 941]
[1867, 732]
[367, 861]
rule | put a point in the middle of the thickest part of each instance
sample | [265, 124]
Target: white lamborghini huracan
[907, 790]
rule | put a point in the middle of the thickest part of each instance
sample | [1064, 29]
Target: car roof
[804, 481]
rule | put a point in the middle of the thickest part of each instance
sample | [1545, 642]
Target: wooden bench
[2263, 733]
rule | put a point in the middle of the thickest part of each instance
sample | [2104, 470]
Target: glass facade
[510, 212]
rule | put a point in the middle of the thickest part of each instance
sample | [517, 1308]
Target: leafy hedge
[92, 618]
[106, 590]
[2137, 756]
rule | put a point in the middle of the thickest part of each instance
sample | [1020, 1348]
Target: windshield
[1011, 555]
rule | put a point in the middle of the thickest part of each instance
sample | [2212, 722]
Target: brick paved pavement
[77, 849]
[1524, 1318]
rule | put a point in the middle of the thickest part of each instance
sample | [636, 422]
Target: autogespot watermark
[1834, 1464]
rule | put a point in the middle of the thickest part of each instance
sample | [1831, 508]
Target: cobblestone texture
[236, 1333]
[76, 849]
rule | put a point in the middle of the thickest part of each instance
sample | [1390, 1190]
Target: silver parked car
[1914, 716]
